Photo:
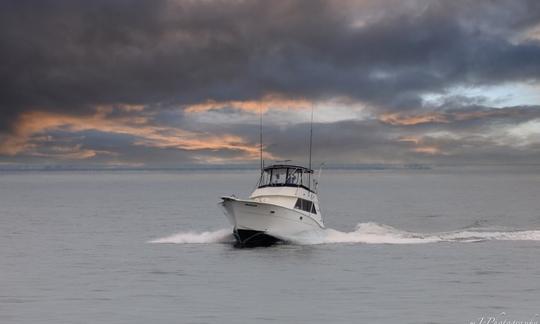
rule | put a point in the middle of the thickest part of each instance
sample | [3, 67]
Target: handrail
[286, 185]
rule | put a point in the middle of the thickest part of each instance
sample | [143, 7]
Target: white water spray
[219, 236]
[367, 233]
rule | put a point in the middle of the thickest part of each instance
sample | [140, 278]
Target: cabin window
[293, 177]
[277, 176]
[305, 205]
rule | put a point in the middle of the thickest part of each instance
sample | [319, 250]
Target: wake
[373, 233]
[191, 237]
[366, 233]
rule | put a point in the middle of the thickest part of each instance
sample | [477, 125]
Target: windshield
[284, 177]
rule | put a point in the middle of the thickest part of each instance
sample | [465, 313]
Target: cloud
[433, 150]
[74, 152]
[158, 63]
[253, 106]
[408, 120]
[459, 115]
[70, 55]
[32, 126]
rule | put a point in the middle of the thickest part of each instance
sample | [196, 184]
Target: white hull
[277, 221]
[284, 206]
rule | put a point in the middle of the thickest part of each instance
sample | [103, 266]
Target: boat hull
[251, 238]
[263, 224]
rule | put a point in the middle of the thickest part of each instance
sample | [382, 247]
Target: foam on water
[373, 233]
[220, 236]
[367, 233]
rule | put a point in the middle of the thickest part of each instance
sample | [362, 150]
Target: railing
[286, 185]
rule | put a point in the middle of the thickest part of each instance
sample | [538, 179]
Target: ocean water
[402, 246]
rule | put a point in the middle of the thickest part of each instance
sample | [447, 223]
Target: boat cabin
[281, 175]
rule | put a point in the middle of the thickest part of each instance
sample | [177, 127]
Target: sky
[167, 83]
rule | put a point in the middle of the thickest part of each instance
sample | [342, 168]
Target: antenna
[310, 136]
[310, 146]
[261, 137]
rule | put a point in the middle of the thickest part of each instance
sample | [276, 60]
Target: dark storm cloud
[69, 56]
[77, 57]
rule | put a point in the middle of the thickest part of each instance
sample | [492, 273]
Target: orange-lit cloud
[254, 106]
[419, 145]
[431, 150]
[32, 126]
[398, 119]
[409, 120]
[531, 33]
[69, 152]
[410, 139]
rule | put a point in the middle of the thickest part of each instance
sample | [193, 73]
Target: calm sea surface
[417, 246]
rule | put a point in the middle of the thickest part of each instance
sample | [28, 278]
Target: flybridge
[282, 175]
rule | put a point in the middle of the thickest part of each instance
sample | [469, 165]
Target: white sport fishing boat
[284, 204]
